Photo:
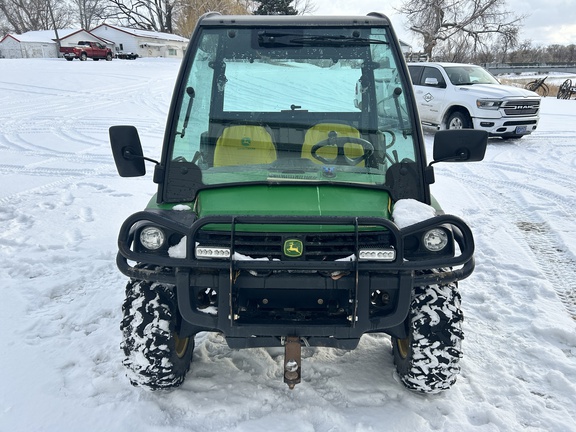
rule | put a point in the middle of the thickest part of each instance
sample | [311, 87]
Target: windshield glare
[466, 75]
[293, 105]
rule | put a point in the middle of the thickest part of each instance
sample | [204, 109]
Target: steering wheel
[339, 142]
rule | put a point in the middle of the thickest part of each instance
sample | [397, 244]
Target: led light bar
[212, 252]
[377, 255]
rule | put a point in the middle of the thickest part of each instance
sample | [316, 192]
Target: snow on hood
[497, 91]
[409, 211]
[181, 207]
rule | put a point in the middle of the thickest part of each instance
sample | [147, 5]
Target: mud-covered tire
[155, 357]
[428, 359]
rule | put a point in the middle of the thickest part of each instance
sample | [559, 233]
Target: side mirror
[460, 145]
[127, 151]
[433, 82]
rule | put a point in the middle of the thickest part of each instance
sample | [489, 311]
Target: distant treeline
[551, 54]
[523, 54]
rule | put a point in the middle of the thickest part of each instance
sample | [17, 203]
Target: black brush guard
[259, 302]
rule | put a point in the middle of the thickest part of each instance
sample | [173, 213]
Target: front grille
[519, 123]
[521, 107]
[317, 246]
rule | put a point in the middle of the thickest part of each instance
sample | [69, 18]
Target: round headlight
[152, 238]
[435, 240]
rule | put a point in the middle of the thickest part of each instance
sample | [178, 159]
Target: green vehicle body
[298, 249]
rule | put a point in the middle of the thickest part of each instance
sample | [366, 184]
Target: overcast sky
[549, 21]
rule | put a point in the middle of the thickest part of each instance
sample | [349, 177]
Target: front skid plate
[322, 326]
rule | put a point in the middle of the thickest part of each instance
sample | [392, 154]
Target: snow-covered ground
[61, 204]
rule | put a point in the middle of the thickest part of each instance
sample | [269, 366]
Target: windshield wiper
[191, 93]
[336, 40]
[278, 39]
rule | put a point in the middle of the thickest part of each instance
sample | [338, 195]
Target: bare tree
[27, 15]
[525, 52]
[4, 26]
[147, 14]
[305, 6]
[89, 13]
[192, 10]
[477, 22]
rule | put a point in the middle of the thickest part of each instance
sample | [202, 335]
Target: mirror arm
[127, 154]
[429, 177]
[462, 156]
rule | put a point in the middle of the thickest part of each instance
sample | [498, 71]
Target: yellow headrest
[244, 145]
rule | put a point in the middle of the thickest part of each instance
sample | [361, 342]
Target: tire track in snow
[82, 104]
[566, 182]
[62, 178]
[554, 259]
[56, 172]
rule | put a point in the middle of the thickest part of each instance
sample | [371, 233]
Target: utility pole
[48, 2]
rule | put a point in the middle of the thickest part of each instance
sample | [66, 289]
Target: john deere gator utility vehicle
[290, 143]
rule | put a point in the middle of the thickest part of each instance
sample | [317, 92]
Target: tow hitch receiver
[292, 361]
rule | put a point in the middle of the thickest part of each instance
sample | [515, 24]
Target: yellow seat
[244, 145]
[320, 132]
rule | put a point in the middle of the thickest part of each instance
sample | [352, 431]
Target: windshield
[469, 74]
[280, 105]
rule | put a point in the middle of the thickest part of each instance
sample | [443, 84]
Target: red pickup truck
[85, 50]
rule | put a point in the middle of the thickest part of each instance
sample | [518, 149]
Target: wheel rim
[455, 123]
[181, 344]
[403, 346]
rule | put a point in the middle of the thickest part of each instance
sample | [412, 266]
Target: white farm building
[142, 42]
[42, 44]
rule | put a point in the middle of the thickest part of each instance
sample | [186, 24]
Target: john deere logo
[246, 141]
[293, 248]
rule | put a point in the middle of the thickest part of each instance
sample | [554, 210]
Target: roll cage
[288, 77]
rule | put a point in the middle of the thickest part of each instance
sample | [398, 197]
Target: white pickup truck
[462, 96]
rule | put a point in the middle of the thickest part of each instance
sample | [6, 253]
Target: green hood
[294, 200]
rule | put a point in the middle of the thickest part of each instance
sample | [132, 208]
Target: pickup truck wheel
[108, 57]
[155, 357]
[427, 360]
[69, 58]
[458, 120]
[83, 57]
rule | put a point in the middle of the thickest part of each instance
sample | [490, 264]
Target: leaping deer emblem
[293, 248]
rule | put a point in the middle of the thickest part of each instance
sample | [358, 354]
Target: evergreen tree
[275, 7]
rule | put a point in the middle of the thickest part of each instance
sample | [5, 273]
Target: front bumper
[506, 126]
[328, 303]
